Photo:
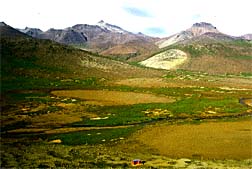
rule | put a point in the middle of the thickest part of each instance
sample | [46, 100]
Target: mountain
[198, 31]
[102, 38]
[203, 48]
[201, 28]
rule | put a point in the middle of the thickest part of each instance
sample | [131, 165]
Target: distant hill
[196, 32]
[247, 36]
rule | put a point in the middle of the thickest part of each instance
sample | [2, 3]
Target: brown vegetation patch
[151, 82]
[101, 97]
[218, 65]
[213, 140]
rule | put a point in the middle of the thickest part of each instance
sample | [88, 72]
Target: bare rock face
[201, 28]
[67, 36]
[33, 32]
[181, 36]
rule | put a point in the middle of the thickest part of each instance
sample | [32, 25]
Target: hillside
[233, 57]
[34, 61]
[8, 32]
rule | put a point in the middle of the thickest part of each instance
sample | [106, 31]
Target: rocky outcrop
[67, 36]
[33, 32]
[201, 28]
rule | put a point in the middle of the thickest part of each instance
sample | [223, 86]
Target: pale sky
[160, 18]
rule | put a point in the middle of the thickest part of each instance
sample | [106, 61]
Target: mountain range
[103, 38]
[201, 47]
[114, 41]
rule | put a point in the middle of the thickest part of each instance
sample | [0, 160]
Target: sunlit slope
[169, 59]
[212, 56]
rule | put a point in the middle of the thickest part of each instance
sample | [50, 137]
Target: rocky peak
[112, 28]
[3, 24]
[201, 28]
[204, 24]
[34, 32]
[101, 22]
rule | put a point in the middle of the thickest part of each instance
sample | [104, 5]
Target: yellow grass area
[212, 140]
[55, 119]
[102, 97]
[151, 82]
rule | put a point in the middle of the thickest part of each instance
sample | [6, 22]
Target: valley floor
[181, 120]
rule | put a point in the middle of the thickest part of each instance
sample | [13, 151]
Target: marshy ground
[189, 120]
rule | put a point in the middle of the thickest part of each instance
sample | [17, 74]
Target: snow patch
[110, 27]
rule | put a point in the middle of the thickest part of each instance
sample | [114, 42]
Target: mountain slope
[207, 54]
[25, 60]
[67, 36]
[8, 32]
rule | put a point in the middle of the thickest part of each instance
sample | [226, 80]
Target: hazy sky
[152, 17]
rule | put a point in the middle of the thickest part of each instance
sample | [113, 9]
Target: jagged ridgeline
[104, 38]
